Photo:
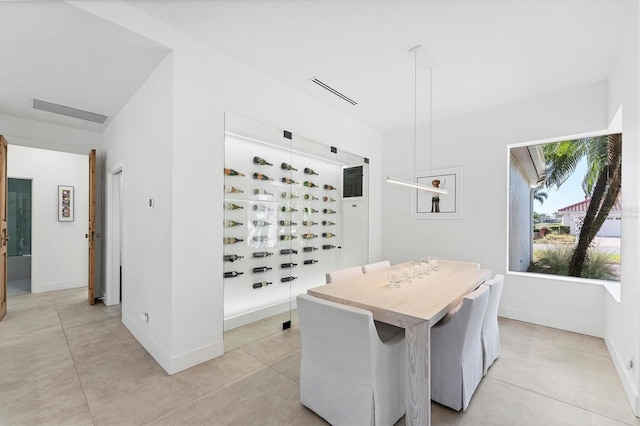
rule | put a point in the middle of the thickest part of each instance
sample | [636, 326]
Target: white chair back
[490, 330]
[343, 274]
[377, 266]
[456, 352]
[348, 375]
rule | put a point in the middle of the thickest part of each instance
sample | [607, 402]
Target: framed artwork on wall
[65, 203]
[430, 205]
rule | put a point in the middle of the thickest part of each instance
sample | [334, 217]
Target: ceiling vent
[332, 90]
[69, 111]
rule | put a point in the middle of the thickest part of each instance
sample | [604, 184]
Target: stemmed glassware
[416, 269]
[433, 262]
[425, 266]
[393, 277]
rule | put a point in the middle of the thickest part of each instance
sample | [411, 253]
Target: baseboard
[626, 378]
[553, 321]
[172, 364]
[62, 285]
[257, 315]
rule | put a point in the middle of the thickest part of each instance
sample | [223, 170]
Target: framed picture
[430, 205]
[65, 203]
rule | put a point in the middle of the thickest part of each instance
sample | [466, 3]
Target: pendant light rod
[424, 60]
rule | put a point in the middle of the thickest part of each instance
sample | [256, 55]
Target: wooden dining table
[415, 306]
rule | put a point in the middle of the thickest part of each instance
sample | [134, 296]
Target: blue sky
[569, 193]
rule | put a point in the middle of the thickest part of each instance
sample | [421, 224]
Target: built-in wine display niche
[287, 221]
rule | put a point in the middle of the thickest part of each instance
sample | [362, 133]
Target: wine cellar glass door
[283, 225]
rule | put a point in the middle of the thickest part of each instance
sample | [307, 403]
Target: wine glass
[416, 270]
[393, 277]
[406, 273]
[433, 262]
[425, 266]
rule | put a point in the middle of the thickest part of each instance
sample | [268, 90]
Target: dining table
[415, 305]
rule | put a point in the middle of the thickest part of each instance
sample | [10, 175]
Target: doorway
[114, 243]
[19, 205]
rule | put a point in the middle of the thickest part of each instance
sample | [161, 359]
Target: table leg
[418, 375]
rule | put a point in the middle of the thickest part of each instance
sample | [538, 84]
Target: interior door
[3, 228]
[90, 235]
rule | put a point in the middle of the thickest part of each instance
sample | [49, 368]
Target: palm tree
[539, 195]
[602, 181]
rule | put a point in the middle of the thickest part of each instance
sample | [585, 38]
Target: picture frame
[430, 205]
[65, 203]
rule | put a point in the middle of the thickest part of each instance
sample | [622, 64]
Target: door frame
[4, 237]
[114, 237]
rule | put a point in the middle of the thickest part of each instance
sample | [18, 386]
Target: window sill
[612, 287]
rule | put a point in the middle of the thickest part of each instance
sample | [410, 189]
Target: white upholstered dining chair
[456, 351]
[343, 274]
[490, 330]
[377, 266]
[351, 373]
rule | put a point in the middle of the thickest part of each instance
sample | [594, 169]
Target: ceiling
[487, 53]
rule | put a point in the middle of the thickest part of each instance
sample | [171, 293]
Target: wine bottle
[309, 184]
[328, 247]
[308, 171]
[231, 206]
[260, 176]
[261, 192]
[308, 223]
[309, 249]
[287, 279]
[310, 261]
[288, 251]
[261, 284]
[260, 223]
[229, 189]
[232, 274]
[310, 197]
[231, 223]
[285, 166]
[310, 210]
[287, 237]
[260, 208]
[328, 211]
[260, 238]
[261, 269]
[232, 240]
[329, 187]
[308, 236]
[288, 265]
[287, 223]
[262, 254]
[231, 257]
[328, 235]
[288, 209]
[288, 181]
[231, 172]
[261, 161]
[328, 199]
[288, 195]
[328, 223]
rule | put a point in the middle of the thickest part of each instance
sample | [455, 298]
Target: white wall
[139, 141]
[59, 249]
[622, 330]
[188, 302]
[478, 142]
[519, 219]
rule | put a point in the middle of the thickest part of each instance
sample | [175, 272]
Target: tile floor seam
[75, 367]
[207, 394]
[561, 401]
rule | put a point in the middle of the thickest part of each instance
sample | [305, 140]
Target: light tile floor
[65, 362]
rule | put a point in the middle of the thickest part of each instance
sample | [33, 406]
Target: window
[565, 207]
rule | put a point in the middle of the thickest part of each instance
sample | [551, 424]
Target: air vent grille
[332, 90]
[69, 111]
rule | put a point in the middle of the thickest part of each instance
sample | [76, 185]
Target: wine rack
[282, 210]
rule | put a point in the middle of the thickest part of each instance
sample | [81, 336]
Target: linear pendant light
[426, 61]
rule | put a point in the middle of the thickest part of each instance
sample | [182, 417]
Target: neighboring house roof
[582, 207]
